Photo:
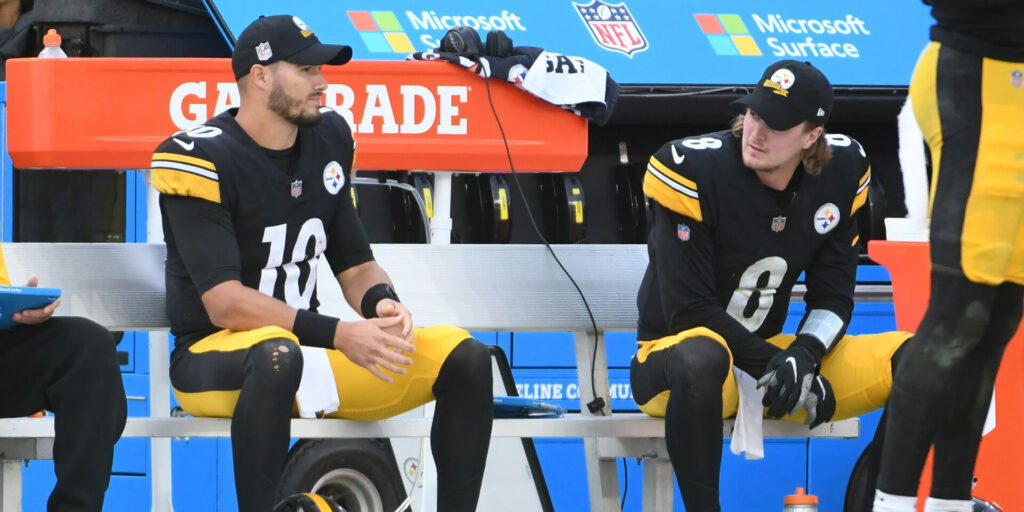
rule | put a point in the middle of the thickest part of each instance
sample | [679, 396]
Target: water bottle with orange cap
[51, 46]
[800, 502]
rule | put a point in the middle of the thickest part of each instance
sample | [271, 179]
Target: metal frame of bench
[477, 287]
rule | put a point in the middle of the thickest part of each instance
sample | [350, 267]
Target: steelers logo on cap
[306, 32]
[784, 78]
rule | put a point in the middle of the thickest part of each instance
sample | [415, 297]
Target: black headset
[498, 44]
[465, 41]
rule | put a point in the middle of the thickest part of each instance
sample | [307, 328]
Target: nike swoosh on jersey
[676, 157]
[187, 145]
[792, 363]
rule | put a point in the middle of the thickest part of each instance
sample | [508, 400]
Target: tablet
[519, 407]
[14, 299]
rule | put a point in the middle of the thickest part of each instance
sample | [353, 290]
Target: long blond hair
[814, 158]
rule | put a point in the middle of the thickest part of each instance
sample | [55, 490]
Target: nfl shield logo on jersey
[778, 224]
[296, 188]
[612, 26]
[683, 232]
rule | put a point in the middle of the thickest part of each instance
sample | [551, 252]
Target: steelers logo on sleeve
[826, 218]
[334, 177]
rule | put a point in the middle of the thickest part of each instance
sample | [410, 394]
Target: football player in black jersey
[738, 216]
[250, 199]
[968, 97]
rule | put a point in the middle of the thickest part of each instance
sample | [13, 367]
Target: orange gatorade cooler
[1002, 449]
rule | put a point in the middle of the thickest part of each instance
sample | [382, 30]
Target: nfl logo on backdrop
[683, 232]
[1017, 78]
[612, 26]
[778, 224]
[296, 188]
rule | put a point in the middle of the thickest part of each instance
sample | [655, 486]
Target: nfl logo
[778, 224]
[612, 26]
[1017, 78]
[683, 232]
[263, 51]
[296, 188]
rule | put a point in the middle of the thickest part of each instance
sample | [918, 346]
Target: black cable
[669, 92]
[625, 485]
[597, 404]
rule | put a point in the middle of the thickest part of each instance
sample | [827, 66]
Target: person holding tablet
[66, 365]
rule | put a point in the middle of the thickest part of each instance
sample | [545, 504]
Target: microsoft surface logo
[381, 32]
[727, 34]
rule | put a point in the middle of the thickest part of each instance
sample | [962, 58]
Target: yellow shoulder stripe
[672, 175]
[670, 197]
[855, 240]
[862, 192]
[174, 157]
[859, 201]
[183, 183]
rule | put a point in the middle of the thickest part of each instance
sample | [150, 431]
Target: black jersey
[724, 255]
[987, 28]
[273, 226]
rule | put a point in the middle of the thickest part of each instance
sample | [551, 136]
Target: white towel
[550, 83]
[318, 391]
[748, 435]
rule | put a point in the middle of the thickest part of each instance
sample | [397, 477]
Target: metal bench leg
[657, 485]
[160, 407]
[10, 486]
[602, 475]
[602, 478]
[428, 470]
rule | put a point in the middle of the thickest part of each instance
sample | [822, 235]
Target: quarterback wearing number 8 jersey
[250, 200]
[739, 215]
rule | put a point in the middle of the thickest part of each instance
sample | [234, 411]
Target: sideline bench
[477, 287]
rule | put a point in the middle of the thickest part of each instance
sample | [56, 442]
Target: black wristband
[314, 329]
[375, 294]
[814, 347]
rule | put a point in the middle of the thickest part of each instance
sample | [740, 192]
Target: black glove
[821, 403]
[789, 375]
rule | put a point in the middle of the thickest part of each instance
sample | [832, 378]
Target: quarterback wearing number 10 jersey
[250, 200]
[282, 222]
[236, 211]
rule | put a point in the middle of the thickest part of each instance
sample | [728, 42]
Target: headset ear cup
[498, 44]
[462, 40]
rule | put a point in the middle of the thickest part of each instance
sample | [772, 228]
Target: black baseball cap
[789, 93]
[270, 39]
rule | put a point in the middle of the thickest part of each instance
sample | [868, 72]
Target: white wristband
[824, 325]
